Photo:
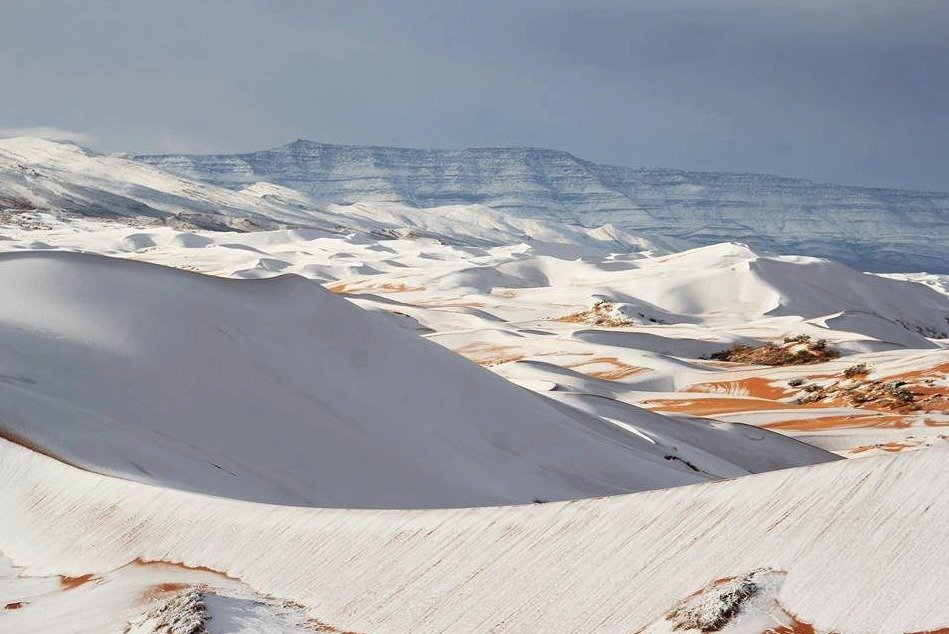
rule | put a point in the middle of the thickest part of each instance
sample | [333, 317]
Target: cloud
[855, 87]
[47, 132]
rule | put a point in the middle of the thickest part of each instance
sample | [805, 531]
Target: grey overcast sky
[841, 91]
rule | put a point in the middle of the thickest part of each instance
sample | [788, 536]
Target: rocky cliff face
[870, 228]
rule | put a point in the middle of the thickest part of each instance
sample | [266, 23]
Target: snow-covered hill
[869, 228]
[279, 391]
[851, 546]
[46, 176]
[630, 327]
[190, 373]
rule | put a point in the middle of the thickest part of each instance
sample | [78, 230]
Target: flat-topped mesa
[870, 228]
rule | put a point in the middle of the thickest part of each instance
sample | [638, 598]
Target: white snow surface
[280, 391]
[211, 436]
[861, 542]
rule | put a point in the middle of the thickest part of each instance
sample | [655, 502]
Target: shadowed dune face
[449, 292]
[279, 391]
[276, 390]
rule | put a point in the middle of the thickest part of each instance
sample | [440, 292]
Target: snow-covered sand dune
[210, 443]
[856, 546]
[279, 391]
[641, 325]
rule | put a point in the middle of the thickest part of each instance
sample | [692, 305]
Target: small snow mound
[136, 242]
[190, 241]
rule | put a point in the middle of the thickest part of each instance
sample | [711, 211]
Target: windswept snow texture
[857, 546]
[280, 391]
[869, 228]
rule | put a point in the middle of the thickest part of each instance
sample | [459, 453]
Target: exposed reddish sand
[937, 371]
[177, 564]
[619, 370]
[796, 627]
[161, 589]
[929, 397]
[711, 406]
[764, 394]
[320, 626]
[368, 285]
[896, 421]
[68, 583]
[489, 354]
[714, 583]
[14, 605]
[891, 447]
[756, 386]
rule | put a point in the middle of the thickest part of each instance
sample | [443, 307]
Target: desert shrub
[797, 339]
[857, 370]
[727, 355]
[774, 354]
[900, 393]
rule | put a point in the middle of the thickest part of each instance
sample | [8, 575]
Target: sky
[852, 91]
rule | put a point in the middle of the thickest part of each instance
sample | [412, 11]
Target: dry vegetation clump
[715, 605]
[607, 314]
[894, 396]
[182, 613]
[861, 369]
[907, 393]
[798, 350]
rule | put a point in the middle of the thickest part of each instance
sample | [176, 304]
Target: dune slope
[851, 546]
[279, 391]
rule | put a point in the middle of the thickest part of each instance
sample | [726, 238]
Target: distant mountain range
[870, 228]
